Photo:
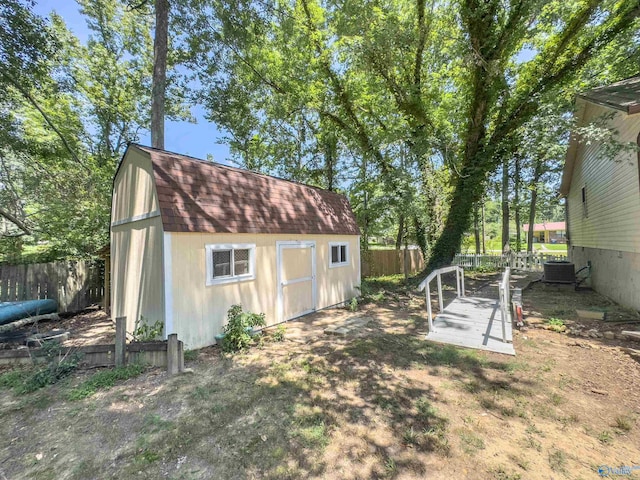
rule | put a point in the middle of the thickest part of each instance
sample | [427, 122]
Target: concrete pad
[347, 326]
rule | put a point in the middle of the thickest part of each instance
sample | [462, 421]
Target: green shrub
[191, 355]
[58, 366]
[555, 321]
[556, 324]
[237, 330]
[353, 305]
[146, 332]
[373, 290]
[278, 334]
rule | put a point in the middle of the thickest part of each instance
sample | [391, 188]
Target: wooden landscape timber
[26, 321]
[162, 353]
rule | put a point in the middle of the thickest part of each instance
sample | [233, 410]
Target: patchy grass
[605, 437]
[558, 460]
[470, 442]
[104, 380]
[502, 473]
[14, 379]
[623, 423]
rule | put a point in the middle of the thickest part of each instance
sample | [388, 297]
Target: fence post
[180, 356]
[121, 340]
[173, 357]
[462, 281]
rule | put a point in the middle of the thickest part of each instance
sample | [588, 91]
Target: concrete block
[591, 314]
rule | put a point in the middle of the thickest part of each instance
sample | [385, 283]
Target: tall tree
[565, 36]
[160, 52]
[505, 205]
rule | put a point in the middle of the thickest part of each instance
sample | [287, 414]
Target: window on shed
[241, 261]
[230, 263]
[221, 263]
[339, 254]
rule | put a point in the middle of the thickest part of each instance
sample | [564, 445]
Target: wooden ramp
[473, 322]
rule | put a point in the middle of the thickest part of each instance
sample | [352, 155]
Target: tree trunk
[476, 228]
[405, 257]
[159, 81]
[532, 208]
[516, 204]
[365, 230]
[400, 232]
[467, 192]
[484, 245]
[330, 157]
[505, 206]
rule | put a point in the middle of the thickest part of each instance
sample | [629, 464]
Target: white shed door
[296, 279]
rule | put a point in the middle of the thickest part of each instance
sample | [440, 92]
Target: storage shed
[190, 238]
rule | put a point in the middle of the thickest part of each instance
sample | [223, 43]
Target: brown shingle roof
[623, 95]
[199, 196]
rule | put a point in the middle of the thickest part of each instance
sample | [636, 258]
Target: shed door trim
[280, 246]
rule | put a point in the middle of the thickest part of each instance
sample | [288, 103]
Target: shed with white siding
[190, 238]
[603, 193]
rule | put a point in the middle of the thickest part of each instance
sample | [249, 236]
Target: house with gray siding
[603, 194]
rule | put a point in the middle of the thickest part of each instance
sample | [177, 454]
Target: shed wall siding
[136, 263]
[134, 188]
[136, 247]
[199, 311]
[612, 190]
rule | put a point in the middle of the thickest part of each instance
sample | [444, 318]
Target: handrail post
[504, 325]
[429, 308]
[462, 282]
[440, 293]
[458, 281]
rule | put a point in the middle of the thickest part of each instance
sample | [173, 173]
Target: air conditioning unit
[559, 272]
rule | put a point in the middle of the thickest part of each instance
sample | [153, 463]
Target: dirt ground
[379, 402]
[90, 327]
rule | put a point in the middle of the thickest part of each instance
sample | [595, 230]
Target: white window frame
[339, 264]
[210, 248]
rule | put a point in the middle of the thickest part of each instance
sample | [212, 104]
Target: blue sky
[195, 139]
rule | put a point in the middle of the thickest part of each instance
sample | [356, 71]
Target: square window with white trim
[338, 254]
[227, 263]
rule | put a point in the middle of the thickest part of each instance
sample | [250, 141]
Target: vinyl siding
[199, 311]
[612, 190]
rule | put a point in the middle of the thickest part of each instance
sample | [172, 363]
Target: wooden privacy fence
[73, 284]
[390, 262]
[532, 262]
